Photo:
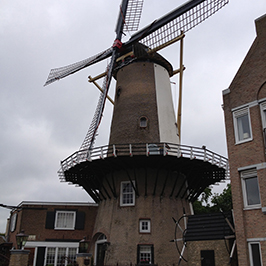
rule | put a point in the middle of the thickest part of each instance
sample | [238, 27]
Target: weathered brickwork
[221, 254]
[248, 90]
[19, 258]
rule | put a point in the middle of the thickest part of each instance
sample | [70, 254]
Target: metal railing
[149, 149]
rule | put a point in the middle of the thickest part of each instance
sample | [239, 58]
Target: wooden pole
[179, 112]
[99, 87]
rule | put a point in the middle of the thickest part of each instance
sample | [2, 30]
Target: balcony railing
[151, 149]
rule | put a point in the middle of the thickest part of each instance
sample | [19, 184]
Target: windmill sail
[92, 132]
[183, 19]
[132, 19]
[90, 137]
[61, 72]
[158, 33]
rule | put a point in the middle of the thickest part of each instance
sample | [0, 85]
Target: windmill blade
[134, 11]
[61, 72]
[92, 132]
[183, 19]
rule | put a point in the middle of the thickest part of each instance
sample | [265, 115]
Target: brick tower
[143, 177]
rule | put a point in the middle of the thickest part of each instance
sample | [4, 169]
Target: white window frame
[237, 114]
[251, 173]
[263, 114]
[56, 247]
[251, 254]
[145, 252]
[71, 227]
[141, 221]
[13, 222]
[121, 194]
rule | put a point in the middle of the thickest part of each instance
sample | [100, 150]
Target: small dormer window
[143, 122]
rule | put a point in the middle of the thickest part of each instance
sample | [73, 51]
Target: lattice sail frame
[183, 23]
[132, 19]
[61, 72]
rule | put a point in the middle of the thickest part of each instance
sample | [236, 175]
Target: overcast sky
[42, 125]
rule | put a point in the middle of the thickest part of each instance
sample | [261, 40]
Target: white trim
[246, 105]
[258, 166]
[148, 224]
[260, 239]
[57, 203]
[97, 242]
[263, 114]
[237, 114]
[35, 244]
[261, 100]
[121, 194]
[252, 173]
[35, 255]
[250, 253]
[69, 227]
[250, 104]
[226, 91]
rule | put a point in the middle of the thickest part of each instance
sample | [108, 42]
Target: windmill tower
[143, 177]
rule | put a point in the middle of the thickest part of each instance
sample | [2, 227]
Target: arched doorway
[100, 248]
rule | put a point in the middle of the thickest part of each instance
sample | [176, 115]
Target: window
[207, 258]
[263, 114]
[60, 256]
[145, 254]
[263, 118]
[242, 125]
[254, 253]
[65, 220]
[127, 194]
[13, 222]
[143, 122]
[250, 188]
[144, 226]
[50, 257]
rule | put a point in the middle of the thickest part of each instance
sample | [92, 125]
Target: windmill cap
[139, 52]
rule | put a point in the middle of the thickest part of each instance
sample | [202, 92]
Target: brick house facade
[245, 121]
[54, 229]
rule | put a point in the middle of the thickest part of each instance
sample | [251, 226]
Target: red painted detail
[118, 44]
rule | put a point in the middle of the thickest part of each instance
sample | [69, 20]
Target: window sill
[243, 141]
[127, 205]
[252, 207]
[68, 229]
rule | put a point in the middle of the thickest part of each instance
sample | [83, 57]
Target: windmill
[144, 175]
[157, 35]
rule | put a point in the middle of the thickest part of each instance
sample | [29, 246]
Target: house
[210, 239]
[245, 122]
[54, 229]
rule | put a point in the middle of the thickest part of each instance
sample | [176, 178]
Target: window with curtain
[242, 125]
[65, 220]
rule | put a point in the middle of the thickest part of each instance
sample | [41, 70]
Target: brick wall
[247, 89]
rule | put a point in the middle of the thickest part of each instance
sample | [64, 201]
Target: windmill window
[143, 122]
[144, 225]
[127, 194]
[145, 254]
[242, 125]
[250, 188]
